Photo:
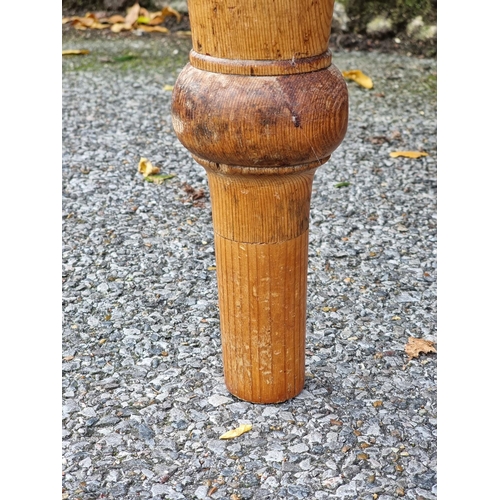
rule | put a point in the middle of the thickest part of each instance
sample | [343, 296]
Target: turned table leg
[261, 107]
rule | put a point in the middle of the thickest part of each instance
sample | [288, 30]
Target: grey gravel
[144, 399]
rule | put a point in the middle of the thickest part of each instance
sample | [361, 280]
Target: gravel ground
[144, 400]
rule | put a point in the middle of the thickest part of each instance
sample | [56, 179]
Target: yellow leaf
[158, 179]
[168, 87]
[75, 52]
[143, 20]
[211, 268]
[146, 168]
[396, 318]
[408, 154]
[416, 346]
[234, 433]
[153, 29]
[359, 77]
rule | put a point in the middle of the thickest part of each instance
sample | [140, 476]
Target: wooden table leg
[261, 107]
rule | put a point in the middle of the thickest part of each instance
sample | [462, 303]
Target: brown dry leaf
[132, 14]
[117, 27]
[408, 154]
[146, 168]
[362, 456]
[359, 77]
[416, 346]
[335, 422]
[234, 433]
[99, 26]
[376, 404]
[115, 19]
[153, 29]
[168, 11]
[82, 22]
[183, 33]
[143, 12]
[156, 18]
[78, 52]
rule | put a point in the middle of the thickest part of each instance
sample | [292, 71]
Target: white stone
[217, 400]
[299, 448]
[274, 456]
[379, 25]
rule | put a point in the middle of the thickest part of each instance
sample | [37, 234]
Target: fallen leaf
[146, 168]
[342, 184]
[168, 87]
[83, 21]
[396, 318]
[115, 19]
[132, 14]
[183, 33]
[234, 433]
[407, 154]
[153, 29]
[364, 445]
[158, 179]
[362, 456]
[117, 27]
[75, 52]
[376, 404]
[211, 268]
[359, 77]
[99, 26]
[416, 346]
[328, 309]
[335, 422]
[125, 58]
[169, 11]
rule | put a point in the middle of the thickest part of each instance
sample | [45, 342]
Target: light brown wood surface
[261, 107]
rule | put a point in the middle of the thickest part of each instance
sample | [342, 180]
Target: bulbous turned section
[270, 121]
[260, 107]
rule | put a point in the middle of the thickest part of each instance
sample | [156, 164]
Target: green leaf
[124, 58]
[342, 184]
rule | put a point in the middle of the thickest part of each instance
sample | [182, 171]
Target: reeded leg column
[260, 107]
